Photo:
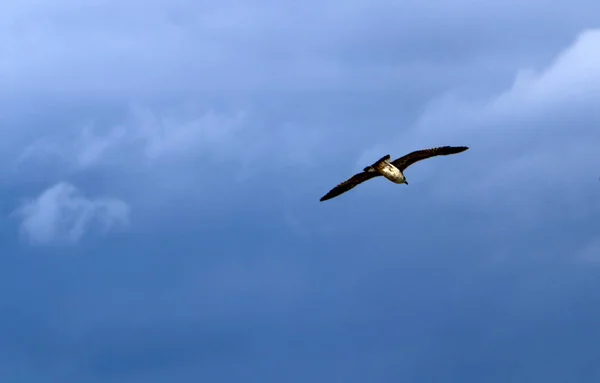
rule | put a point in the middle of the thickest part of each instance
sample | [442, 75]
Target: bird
[392, 170]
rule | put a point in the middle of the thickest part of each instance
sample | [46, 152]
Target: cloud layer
[177, 152]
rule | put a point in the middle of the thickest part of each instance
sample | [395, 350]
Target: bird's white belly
[391, 172]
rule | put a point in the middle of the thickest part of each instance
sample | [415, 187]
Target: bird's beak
[406, 182]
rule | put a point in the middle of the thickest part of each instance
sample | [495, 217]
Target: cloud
[143, 135]
[178, 140]
[569, 84]
[235, 51]
[184, 45]
[61, 214]
[534, 142]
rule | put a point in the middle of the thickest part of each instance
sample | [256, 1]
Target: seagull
[392, 170]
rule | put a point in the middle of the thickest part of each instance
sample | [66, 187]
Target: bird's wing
[349, 184]
[409, 159]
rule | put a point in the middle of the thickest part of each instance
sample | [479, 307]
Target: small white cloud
[186, 133]
[61, 214]
[90, 148]
[83, 150]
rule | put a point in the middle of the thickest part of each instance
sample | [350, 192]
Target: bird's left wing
[349, 184]
[409, 159]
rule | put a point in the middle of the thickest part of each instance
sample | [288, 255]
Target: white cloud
[144, 135]
[61, 214]
[185, 134]
[571, 82]
[153, 138]
[531, 146]
[573, 77]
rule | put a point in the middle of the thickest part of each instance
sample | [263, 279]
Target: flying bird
[392, 170]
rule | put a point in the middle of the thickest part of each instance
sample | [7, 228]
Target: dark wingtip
[459, 149]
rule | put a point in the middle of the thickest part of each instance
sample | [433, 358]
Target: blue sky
[163, 164]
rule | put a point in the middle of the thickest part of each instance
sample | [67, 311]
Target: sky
[163, 163]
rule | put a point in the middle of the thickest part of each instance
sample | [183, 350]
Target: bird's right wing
[349, 184]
